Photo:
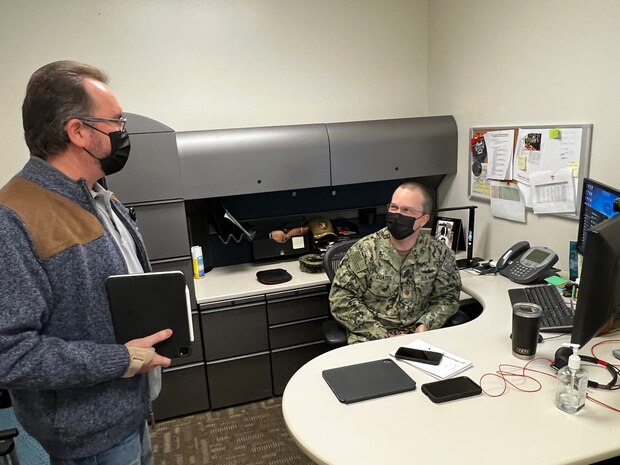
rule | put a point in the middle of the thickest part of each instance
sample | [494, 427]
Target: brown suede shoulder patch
[55, 222]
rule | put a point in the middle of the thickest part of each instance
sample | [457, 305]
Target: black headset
[561, 360]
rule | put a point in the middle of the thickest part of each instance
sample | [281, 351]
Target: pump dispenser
[572, 384]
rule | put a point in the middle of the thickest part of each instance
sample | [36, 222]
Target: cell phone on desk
[451, 389]
[417, 355]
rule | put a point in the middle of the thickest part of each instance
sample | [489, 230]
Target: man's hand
[278, 236]
[421, 328]
[146, 353]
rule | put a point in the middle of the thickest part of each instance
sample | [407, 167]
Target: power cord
[506, 371]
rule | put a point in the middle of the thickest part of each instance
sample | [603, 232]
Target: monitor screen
[599, 285]
[597, 202]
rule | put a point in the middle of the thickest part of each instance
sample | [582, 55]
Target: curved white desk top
[517, 428]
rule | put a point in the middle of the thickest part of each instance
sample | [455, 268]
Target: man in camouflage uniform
[397, 281]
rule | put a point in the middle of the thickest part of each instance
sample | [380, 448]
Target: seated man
[397, 281]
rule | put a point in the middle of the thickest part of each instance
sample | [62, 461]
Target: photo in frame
[449, 231]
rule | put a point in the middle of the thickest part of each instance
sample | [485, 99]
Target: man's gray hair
[54, 95]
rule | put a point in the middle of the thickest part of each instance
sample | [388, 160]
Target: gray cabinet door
[380, 150]
[152, 170]
[246, 161]
[239, 380]
[284, 363]
[233, 331]
[164, 229]
[183, 391]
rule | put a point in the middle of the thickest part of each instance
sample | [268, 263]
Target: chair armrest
[458, 318]
[334, 334]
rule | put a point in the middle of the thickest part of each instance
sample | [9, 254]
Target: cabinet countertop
[236, 281]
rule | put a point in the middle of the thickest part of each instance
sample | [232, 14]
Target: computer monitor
[599, 285]
[596, 205]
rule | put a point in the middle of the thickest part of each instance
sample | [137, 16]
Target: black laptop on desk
[368, 380]
[557, 316]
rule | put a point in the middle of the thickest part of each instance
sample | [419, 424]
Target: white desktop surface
[517, 428]
[235, 281]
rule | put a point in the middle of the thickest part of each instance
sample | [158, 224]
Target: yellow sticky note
[573, 165]
[554, 133]
[522, 162]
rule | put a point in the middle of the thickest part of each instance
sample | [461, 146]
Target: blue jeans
[133, 450]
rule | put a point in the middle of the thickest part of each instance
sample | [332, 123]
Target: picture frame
[449, 231]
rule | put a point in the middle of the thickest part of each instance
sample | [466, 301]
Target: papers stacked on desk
[449, 366]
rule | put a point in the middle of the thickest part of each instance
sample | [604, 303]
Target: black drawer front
[234, 331]
[240, 380]
[196, 346]
[296, 333]
[183, 391]
[286, 362]
[297, 308]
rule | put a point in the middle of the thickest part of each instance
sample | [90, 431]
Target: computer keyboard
[557, 316]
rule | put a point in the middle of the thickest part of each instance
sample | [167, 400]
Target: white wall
[206, 64]
[526, 62]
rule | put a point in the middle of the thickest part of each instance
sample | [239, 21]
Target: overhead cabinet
[152, 170]
[229, 162]
[245, 161]
[380, 150]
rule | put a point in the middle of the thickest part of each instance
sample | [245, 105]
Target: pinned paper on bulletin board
[515, 154]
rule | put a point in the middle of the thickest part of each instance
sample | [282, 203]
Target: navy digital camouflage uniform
[375, 294]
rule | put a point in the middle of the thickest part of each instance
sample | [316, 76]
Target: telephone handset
[511, 254]
[524, 264]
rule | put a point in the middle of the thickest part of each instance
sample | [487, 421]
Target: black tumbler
[525, 327]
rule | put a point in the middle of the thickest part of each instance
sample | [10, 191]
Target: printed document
[449, 366]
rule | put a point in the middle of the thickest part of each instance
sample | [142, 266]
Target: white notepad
[449, 366]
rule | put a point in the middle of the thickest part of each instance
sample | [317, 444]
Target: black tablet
[142, 304]
[368, 380]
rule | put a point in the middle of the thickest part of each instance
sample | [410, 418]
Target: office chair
[12, 436]
[334, 334]
[8, 454]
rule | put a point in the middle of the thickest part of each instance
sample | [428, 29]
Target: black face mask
[119, 153]
[400, 226]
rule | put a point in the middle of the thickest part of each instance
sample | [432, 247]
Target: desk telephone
[524, 264]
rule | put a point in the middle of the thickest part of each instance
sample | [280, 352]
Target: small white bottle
[198, 262]
[572, 384]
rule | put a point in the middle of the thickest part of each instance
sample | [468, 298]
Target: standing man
[397, 281]
[84, 397]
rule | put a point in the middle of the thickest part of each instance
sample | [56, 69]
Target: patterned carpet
[250, 434]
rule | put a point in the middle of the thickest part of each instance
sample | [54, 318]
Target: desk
[237, 281]
[517, 428]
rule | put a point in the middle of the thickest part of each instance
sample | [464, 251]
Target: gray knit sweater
[58, 356]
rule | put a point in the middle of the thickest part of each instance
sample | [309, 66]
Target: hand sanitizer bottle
[572, 384]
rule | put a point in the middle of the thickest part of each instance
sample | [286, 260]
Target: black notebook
[144, 303]
[368, 380]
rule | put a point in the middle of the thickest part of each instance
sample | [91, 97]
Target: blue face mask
[119, 153]
[400, 226]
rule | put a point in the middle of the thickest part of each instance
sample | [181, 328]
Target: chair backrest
[333, 256]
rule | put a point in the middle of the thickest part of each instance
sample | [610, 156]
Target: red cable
[604, 342]
[502, 374]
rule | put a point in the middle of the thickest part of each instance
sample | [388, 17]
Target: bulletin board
[520, 155]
